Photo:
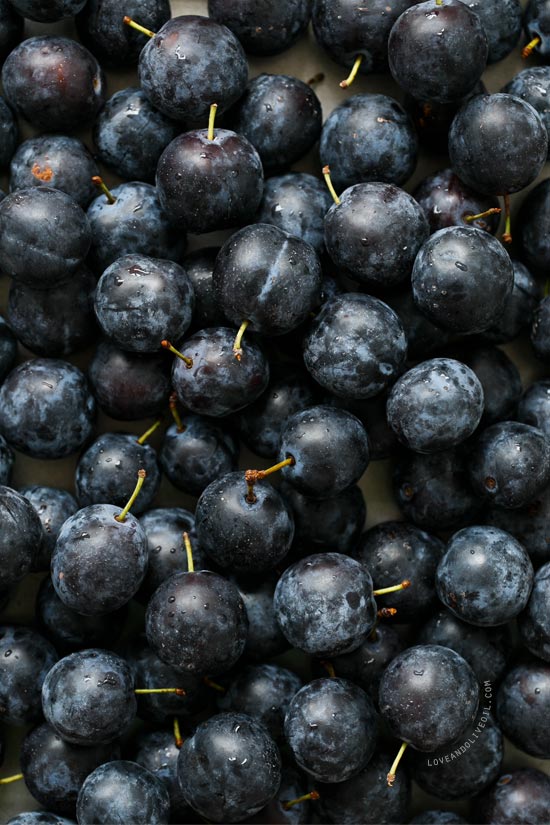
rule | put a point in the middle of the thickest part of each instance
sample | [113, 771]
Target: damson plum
[280, 116]
[210, 179]
[7, 459]
[509, 464]
[9, 133]
[297, 204]
[527, 524]
[130, 134]
[11, 28]
[374, 233]
[58, 161]
[523, 793]
[140, 301]
[53, 507]
[133, 223]
[158, 752]
[367, 138]
[446, 201]
[210, 768]
[435, 405]
[500, 381]
[54, 83]
[129, 386]
[46, 408]
[502, 22]
[189, 64]
[537, 26]
[518, 307]
[461, 279]
[356, 346]
[316, 718]
[217, 383]
[26, 658]
[263, 28]
[21, 538]
[268, 277]
[8, 349]
[426, 50]
[533, 86]
[45, 236]
[49, 12]
[348, 31]
[101, 28]
[264, 639]
[533, 623]
[366, 664]
[324, 604]
[199, 266]
[523, 708]
[329, 448]
[532, 219]
[122, 792]
[485, 576]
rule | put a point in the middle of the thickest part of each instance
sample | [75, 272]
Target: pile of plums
[261, 657]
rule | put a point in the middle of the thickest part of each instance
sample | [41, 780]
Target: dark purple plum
[58, 161]
[263, 692]
[366, 797]
[462, 278]
[533, 623]
[46, 408]
[437, 52]
[296, 203]
[39, 818]
[428, 696]
[534, 406]
[7, 459]
[54, 83]
[537, 25]
[69, 630]
[446, 201]
[395, 551]
[263, 28]
[501, 20]
[486, 649]
[368, 138]
[324, 604]
[55, 770]
[500, 381]
[123, 792]
[210, 768]
[510, 464]
[374, 233]
[435, 405]
[189, 64]
[20, 538]
[281, 117]
[540, 330]
[45, 236]
[523, 793]
[8, 349]
[528, 524]
[347, 31]
[497, 143]
[264, 639]
[424, 338]
[51, 11]
[53, 507]
[459, 769]
[140, 301]
[331, 728]
[129, 386]
[88, 697]
[533, 86]
[56, 321]
[194, 457]
[199, 266]
[134, 224]
[356, 346]
[434, 490]
[98, 562]
[485, 576]
[106, 472]
[328, 524]
[523, 708]
[366, 664]
[9, 133]
[196, 622]
[156, 751]
[330, 451]
[218, 383]
[532, 220]
[209, 180]
[25, 659]
[243, 532]
[101, 28]
[435, 816]
[130, 135]
[267, 277]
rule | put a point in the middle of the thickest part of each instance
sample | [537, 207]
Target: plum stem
[312, 795]
[187, 361]
[7, 780]
[139, 484]
[99, 183]
[133, 25]
[189, 551]
[352, 75]
[530, 47]
[391, 775]
[147, 691]
[394, 589]
[172, 403]
[214, 685]
[237, 348]
[331, 189]
[143, 438]
[177, 733]
[253, 476]
[507, 235]
[329, 667]
[495, 210]
[211, 119]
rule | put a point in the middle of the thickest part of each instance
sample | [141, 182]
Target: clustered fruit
[343, 320]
